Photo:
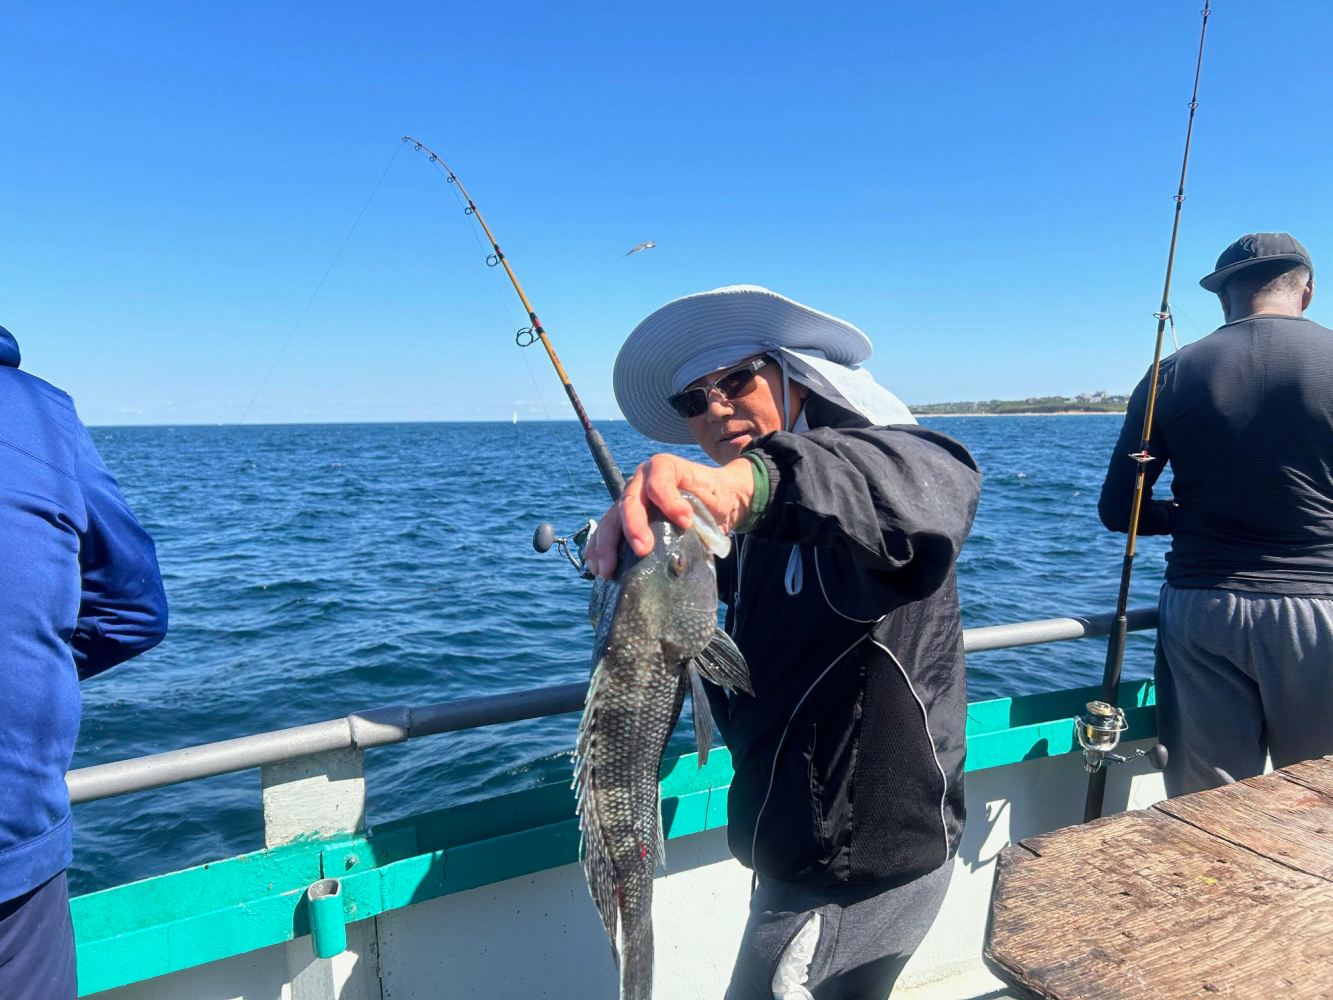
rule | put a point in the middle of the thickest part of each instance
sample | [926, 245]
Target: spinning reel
[572, 546]
[1098, 732]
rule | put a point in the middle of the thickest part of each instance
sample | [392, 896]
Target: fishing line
[1115, 645]
[313, 295]
[541, 401]
[1193, 325]
[534, 332]
[507, 308]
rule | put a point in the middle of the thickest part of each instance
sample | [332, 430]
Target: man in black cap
[1245, 417]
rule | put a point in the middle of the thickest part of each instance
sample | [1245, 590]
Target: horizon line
[508, 423]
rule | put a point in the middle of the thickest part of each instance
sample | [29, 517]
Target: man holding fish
[847, 799]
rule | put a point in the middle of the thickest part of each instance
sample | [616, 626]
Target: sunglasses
[731, 385]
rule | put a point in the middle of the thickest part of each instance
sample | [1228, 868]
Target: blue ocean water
[318, 570]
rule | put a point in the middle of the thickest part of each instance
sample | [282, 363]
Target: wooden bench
[1224, 893]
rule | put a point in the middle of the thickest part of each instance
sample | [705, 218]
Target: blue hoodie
[79, 592]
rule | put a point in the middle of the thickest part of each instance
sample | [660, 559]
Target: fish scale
[655, 628]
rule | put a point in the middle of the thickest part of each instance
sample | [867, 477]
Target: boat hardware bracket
[328, 923]
[1098, 731]
[573, 546]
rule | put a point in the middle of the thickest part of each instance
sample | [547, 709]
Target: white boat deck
[976, 984]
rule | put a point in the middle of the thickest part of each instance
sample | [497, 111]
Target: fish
[656, 634]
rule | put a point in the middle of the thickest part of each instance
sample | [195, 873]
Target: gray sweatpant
[833, 943]
[1241, 675]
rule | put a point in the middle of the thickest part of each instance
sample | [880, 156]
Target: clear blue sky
[985, 188]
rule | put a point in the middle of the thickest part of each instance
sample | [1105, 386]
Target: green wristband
[759, 502]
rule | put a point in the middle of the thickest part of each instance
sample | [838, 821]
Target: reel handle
[571, 547]
[544, 537]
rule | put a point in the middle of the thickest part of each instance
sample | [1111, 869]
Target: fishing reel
[1098, 732]
[572, 547]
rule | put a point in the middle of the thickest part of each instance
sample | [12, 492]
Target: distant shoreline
[220, 425]
[1032, 413]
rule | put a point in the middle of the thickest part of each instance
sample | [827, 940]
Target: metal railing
[397, 723]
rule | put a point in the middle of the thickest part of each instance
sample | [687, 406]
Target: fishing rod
[615, 482]
[1099, 730]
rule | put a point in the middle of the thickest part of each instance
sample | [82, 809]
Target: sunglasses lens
[690, 403]
[733, 385]
[736, 384]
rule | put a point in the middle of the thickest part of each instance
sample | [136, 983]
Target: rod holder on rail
[328, 924]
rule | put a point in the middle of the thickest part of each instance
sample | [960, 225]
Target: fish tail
[636, 959]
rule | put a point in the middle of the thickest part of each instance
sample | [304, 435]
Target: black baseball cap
[1255, 248]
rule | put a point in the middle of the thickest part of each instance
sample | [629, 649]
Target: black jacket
[1245, 417]
[849, 757]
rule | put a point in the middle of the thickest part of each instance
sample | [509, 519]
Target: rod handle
[606, 465]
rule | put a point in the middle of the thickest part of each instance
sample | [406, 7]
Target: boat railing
[315, 831]
[337, 738]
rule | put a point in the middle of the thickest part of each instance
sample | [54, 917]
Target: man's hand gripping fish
[656, 635]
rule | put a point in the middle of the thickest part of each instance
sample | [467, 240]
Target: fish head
[668, 598]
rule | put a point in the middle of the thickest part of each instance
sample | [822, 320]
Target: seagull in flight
[642, 246]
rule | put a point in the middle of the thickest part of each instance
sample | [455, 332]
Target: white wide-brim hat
[699, 334]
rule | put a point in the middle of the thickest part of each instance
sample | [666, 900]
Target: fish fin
[722, 663]
[593, 849]
[681, 687]
[636, 970]
[703, 713]
[714, 538]
[661, 837]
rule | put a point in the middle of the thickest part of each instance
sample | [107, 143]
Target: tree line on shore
[1096, 402]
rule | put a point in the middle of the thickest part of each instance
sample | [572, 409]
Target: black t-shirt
[1245, 417]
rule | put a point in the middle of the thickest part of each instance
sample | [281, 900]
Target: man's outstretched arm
[123, 609]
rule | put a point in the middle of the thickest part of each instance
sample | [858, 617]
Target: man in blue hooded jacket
[80, 592]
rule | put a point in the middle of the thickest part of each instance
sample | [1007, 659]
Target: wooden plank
[1280, 819]
[1143, 906]
[1316, 774]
